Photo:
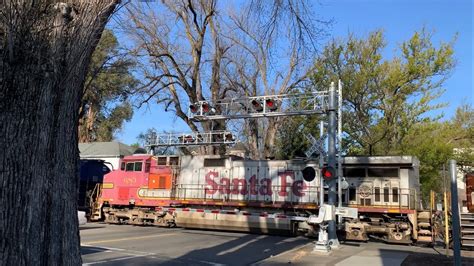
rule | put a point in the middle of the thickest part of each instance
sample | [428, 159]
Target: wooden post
[446, 226]
[432, 202]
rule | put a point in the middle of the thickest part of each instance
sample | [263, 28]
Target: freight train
[265, 196]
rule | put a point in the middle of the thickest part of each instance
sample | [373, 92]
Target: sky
[399, 19]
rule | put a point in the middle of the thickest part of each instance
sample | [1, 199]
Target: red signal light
[257, 105]
[271, 104]
[188, 138]
[193, 108]
[205, 107]
[328, 172]
[229, 137]
[217, 137]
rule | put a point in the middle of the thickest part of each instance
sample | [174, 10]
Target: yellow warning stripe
[108, 185]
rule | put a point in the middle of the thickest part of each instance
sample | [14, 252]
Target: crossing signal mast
[191, 139]
[260, 106]
[316, 102]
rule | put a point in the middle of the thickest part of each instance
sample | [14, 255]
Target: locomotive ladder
[95, 213]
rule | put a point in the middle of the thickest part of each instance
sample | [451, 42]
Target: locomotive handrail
[405, 197]
[185, 192]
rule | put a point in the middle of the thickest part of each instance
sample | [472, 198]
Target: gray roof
[104, 149]
[407, 160]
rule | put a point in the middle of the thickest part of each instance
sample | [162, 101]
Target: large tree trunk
[45, 48]
[270, 137]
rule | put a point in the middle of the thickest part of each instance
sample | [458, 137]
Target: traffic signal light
[205, 107]
[308, 173]
[229, 137]
[328, 173]
[271, 104]
[202, 108]
[186, 139]
[257, 105]
[194, 108]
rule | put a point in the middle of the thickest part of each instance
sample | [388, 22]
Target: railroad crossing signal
[308, 173]
[191, 139]
[328, 173]
[315, 102]
[317, 145]
[260, 106]
[201, 108]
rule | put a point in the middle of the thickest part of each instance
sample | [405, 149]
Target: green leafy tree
[382, 98]
[434, 143]
[105, 105]
[427, 141]
[461, 136]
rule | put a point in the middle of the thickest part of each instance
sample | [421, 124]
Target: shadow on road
[86, 250]
[91, 227]
[244, 250]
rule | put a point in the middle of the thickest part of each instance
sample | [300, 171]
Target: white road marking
[137, 254]
[125, 239]
[111, 260]
[235, 248]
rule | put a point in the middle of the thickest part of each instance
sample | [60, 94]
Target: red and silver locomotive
[232, 193]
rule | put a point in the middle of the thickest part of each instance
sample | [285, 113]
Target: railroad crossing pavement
[134, 245]
[369, 254]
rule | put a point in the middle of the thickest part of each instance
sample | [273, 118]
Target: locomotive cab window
[161, 161]
[134, 166]
[138, 166]
[174, 160]
[122, 166]
[130, 167]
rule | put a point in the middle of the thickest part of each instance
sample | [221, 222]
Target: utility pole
[332, 193]
[339, 148]
[321, 165]
[455, 212]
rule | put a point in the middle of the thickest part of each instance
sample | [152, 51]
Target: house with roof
[110, 152]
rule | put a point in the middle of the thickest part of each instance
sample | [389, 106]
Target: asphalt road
[135, 245]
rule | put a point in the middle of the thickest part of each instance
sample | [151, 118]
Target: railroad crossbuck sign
[317, 145]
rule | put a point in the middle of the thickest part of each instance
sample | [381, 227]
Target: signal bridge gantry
[190, 139]
[315, 102]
